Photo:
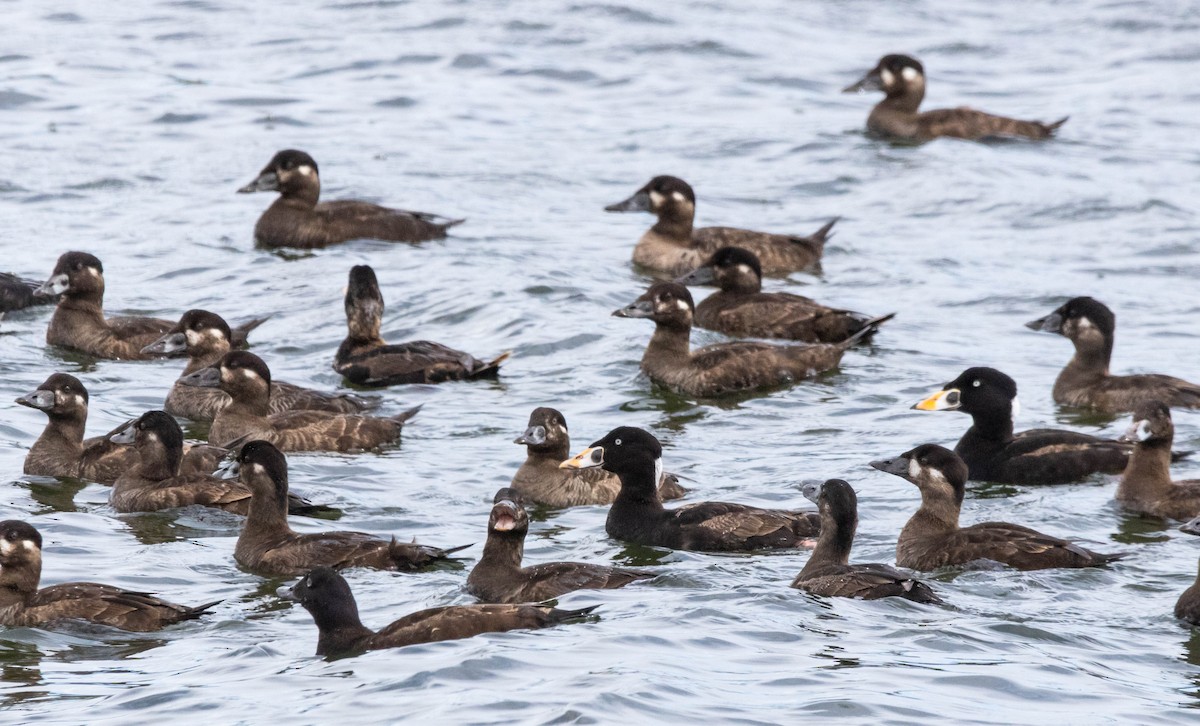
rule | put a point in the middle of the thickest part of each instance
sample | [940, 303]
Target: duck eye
[977, 383]
[617, 442]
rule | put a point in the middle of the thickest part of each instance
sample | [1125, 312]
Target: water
[128, 126]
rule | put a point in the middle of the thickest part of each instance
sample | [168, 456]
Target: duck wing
[1050, 456]
[968, 123]
[106, 605]
[290, 397]
[727, 526]
[350, 219]
[868, 581]
[418, 361]
[1023, 548]
[464, 621]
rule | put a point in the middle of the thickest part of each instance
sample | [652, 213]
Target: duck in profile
[365, 359]
[156, 482]
[22, 604]
[932, 538]
[724, 368]
[268, 546]
[17, 293]
[1040, 456]
[61, 450]
[674, 247]
[638, 516]
[540, 480]
[1146, 485]
[205, 337]
[498, 576]
[297, 219]
[902, 79]
[326, 595]
[742, 310]
[1086, 382]
[828, 571]
[1188, 606]
[247, 380]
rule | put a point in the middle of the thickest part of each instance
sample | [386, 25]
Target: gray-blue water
[128, 126]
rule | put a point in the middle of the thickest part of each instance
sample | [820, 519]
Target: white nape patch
[1085, 323]
[304, 170]
[193, 337]
[909, 73]
[258, 468]
[1016, 408]
[92, 271]
[914, 469]
[656, 198]
[744, 269]
[79, 401]
[1143, 430]
[682, 305]
[657, 470]
[678, 196]
[886, 77]
[248, 373]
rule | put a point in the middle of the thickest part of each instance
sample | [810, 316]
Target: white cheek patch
[909, 73]
[79, 401]
[1086, 324]
[914, 469]
[193, 338]
[29, 545]
[1016, 408]
[304, 170]
[658, 470]
[656, 199]
[886, 77]
[247, 373]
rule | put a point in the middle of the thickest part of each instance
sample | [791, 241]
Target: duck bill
[590, 457]
[203, 378]
[231, 469]
[1052, 323]
[1137, 432]
[56, 285]
[1191, 527]
[812, 491]
[267, 181]
[699, 276]
[639, 202]
[504, 516]
[125, 436]
[897, 466]
[945, 400]
[636, 309]
[168, 344]
[533, 436]
[41, 400]
[870, 82]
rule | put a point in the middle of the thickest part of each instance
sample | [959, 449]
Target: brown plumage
[1086, 382]
[498, 576]
[741, 309]
[724, 368]
[1146, 485]
[327, 597]
[828, 571]
[674, 247]
[247, 380]
[17, 293]
[366, 360]
[22, 604]
[932, 538]
[902, 78]
[296, 219]
[268, 546]
[1188, 606]
[61, 450]
[541, 480]
[638, 516]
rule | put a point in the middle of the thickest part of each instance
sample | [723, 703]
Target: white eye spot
[656, 198]
[886, 76]
[304, 170]
[914, 469]
[1016, 408]
[909, 73]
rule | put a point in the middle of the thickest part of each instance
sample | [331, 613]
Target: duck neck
[1149, 468]
[158, 462]
[205, 358]
[503, 551]
[674, 224]
[833, 545]
[905, 100]
[63, 435]
[18, 585]
[252, 402]
[1091, 358]
[340, 628]
[937, 514]
[267, 516]
[671, 344]
[991, 428]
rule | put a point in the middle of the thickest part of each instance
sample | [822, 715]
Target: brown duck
[1146, 485]
[17, 293]
[1188, 606]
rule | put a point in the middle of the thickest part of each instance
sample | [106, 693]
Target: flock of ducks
[254, 419]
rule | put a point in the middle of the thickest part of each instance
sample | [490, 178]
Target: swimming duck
[17, 293]
[498, 576]
[540, 480]
[638, 516]
[156, 483]
[205, 337]
[1188, 606]
[828, 571]
[366, 360]
[902, 79]
[268, 546]
[61, 450]
[1146, 486]
[742, 309]
[327, 597]
[723, 368]
[247, 380]
[674, 247]
[932, 538]
[1086, 382]
[1040, 456]
[296, 219]
[22, 604]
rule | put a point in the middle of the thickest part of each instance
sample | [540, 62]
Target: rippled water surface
[128, 126]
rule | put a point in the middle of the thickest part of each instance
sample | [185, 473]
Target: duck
[541, 481]
[724, 368]
[156, 483]
[1086, 382]
[268, 546]
[1146, 486]
[326, 595]
[902, 79]
[247, 380]
[79, 324]
[932, 538]
[22, 604]
[828, 572]
[18, 293]
[1037, 457]
[61, 450]
[674, 247]
[638, 516]
[204, 337]
[1188, 606]
[741, 309]
[498, 576]
[365, 359]
[297, 219]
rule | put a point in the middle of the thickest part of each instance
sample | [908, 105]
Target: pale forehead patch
[682, 305]
[909, 73]
[7, 547]
[192, 336]
[886, 76]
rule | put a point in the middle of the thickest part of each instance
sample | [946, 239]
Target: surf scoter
[638, 516]
[1086, 382]
[1146, 485]
[902, 79]
[17, 293]
[296, 219]
[674, 247]
[742, 309]
[366, 360]
[22, 604]
[1188, 606]
[932, 538]
[723, 368]
[828, 571]
[540, 480]
[327, 597]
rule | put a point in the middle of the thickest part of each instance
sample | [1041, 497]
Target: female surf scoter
[1146, 485]
[17, 293]
[1188, 606]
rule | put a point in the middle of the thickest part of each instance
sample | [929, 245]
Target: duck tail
[241, 332]
[400, 418]
[491, 369]
[869, 328]
[1053, 126]
[818, 239]
[301, 507]
[566, 616]
[199, 610]
[451, 550]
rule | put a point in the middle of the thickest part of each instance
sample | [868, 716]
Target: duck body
[1188, 606]
[1146, 486]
